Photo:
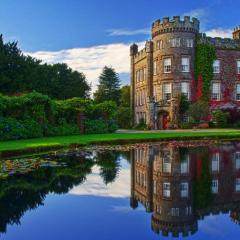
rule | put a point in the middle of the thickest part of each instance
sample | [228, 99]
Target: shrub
[112, 126]
[12, 129]
[198, 111]
[236, 125]
[36, 115]
[64, 129]
[186, 125]
[124, 117]
[141, 125]
[220, 118]
[184, 104]
[95, 126]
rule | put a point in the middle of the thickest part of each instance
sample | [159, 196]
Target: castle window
[216, 66]
[154, 186]
[175, 42]
[215, 186]
[185, 64]
[155, 68]
[216, 91]
[189, 43]
[155, 91]
[175, 212]
[167, 91]
[140, 73]
[166, 189]
[188, 210]
[185, 89]
[184, 167]
[167, 165]
[158, 209]
[138, 98]
[143, 97]
[167, 65]
[159, 44]
[237, 160]
[237, 185]
[144, 74]
[184, 190]
[215, 162]
[238, 66]
[238, 92]
[138, 76]
[185, 118]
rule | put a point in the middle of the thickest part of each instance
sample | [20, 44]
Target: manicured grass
[113, 138]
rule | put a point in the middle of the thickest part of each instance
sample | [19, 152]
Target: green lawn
[86, 139]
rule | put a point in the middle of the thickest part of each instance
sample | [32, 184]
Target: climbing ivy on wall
[205, 56]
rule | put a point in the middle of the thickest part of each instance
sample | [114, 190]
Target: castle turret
[236, 33]
[133, 52]
[175, 25]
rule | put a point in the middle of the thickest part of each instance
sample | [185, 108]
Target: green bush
[141, 125]
[220, 118]
[12, 129]
[64, 129]
[198, 111]
[112, 126]
[184, 104]
[95, 126]
[36, 115]
[124, 117]
[186, 125]
[236, 125]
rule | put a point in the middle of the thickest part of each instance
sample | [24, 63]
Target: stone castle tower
[164, 69]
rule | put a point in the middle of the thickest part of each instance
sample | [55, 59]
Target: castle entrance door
[163, 120]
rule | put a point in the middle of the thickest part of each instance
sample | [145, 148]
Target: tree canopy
[20, 74]
[109, 86]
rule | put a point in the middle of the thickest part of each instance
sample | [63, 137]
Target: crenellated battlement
[174, 228]
[237, 28]
[140, 55]
[223, 43]
[175, 25]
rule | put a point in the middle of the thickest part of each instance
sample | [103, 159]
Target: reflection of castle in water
[180, 185]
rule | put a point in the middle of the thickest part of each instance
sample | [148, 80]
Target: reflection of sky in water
[95, 186]
[96, 211]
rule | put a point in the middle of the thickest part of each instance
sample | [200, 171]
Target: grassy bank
[41, 144]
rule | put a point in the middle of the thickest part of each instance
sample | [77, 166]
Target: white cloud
[94, 185]
[91, 60]
[219, 32]
[128, 32]
[197, 13]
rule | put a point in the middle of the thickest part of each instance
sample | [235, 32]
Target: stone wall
[228, 76]
[151, 87]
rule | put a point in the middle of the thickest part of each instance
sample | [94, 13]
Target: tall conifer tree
[109, 86]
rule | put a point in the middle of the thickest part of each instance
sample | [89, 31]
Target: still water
[142, 191]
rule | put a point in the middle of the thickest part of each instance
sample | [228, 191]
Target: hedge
[36, 115]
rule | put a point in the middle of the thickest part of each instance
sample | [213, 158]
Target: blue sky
[92, 33]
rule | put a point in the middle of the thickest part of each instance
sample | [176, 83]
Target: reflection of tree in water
[20, 193]
[109, 163]
[203, 196]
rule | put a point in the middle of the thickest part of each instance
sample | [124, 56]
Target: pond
[141, 191]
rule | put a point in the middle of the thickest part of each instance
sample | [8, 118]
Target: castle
[180, 186]
[164, 69]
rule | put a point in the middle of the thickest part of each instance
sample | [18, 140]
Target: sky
[89, 34]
